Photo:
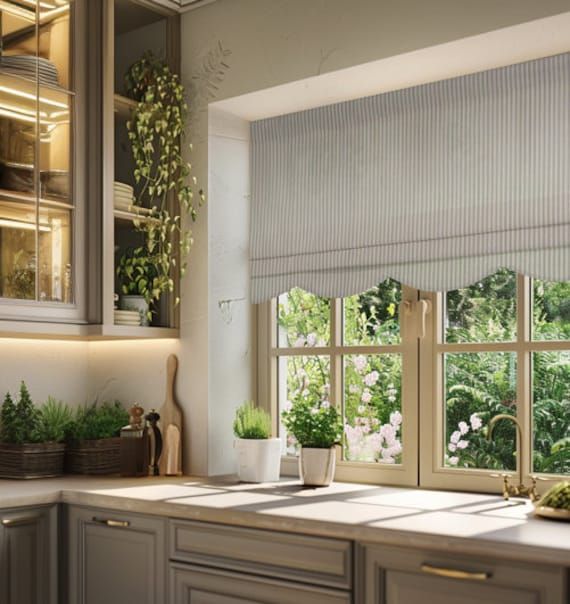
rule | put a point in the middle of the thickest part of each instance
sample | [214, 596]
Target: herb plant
[313, 425]
[94, 421]
[19, 421]
[155, 131]
[54, 419]
[252, 422]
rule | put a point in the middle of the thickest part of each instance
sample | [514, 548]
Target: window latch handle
[421, 309]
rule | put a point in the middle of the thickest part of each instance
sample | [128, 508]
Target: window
[418, 377]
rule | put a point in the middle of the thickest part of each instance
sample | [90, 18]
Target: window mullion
[524, 373]
[336, 396]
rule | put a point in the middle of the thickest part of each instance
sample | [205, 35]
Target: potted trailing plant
[137, 272]
[317, 428]
[259, 456]
[32, 438]
[94, 446]
[156, 131]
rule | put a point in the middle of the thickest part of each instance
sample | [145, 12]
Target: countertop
[467, 523]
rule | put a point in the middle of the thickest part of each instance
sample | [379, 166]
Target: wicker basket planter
[101, 456]
[37, 460]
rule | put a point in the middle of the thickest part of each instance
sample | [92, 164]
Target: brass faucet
[510, 490]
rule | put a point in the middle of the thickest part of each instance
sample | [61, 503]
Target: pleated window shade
[435, 186]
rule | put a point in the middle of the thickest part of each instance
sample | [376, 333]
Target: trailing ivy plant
[156, 133]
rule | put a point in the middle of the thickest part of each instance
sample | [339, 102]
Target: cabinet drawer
[199, 585]
[315, 560]
[393, 575]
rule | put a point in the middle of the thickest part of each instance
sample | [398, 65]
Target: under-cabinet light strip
[32, 97]
[24, 226]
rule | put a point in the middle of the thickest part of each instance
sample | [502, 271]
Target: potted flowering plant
[259, 456]
[317, 428]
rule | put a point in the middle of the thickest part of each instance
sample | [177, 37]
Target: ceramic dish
[554, 513]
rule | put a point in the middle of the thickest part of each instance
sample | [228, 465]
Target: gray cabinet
[28, 555]
[392, 575]
[190, 584]
[115, 557]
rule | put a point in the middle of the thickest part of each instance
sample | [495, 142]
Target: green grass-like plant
[54, 419]
[252, 422]
[96, 421]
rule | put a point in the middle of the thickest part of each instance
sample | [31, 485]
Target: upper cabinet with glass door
[37, 200]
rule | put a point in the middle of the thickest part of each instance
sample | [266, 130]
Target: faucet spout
[511, 418]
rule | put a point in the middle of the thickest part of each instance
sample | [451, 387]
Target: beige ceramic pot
[316, 466]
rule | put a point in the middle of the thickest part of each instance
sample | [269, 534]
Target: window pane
[373, 317]
[303, 320]
[301, 376]
[483, 312]
[373, 406]
[551, 310]
[551, 412]
[479, 386]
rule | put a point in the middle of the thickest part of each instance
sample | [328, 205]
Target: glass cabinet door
[36, 112]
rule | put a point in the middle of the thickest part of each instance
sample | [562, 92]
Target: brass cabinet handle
[113, 523]
[454, 573]
[20, 520]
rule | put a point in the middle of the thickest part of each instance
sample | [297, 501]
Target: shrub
[94, 422]
[314, 425]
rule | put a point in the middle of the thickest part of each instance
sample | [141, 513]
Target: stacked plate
[131, 318]
[29, 66]
[123, 195]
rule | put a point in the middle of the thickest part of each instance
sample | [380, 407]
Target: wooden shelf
[124, 106]
[126, 332]
[130, 216]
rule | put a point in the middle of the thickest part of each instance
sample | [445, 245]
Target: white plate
[555, 513]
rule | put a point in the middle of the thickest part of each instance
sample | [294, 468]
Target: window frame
[423, 395]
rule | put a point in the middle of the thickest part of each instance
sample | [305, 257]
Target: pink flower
[311, 339]
[360, 363]
[325, 405]
[476, 422]
[463, 427]
[353, 389]
[366, 396]
[371, 378]
[396, 418]
[452, 447]
[453, 461]
[455, 437]
[361, 409]
[299, 342]
[463, 444]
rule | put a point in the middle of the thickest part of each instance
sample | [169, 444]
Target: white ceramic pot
[259, 460]
[137, 303]
[316, 466]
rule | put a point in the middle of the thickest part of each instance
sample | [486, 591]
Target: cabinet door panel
[116, 557]
[409, 588]
[199, 585]
[28, 556]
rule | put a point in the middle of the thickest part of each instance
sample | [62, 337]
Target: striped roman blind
[435, 186]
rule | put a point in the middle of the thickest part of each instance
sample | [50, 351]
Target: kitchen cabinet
[199, 585]
[29, 556]
[115, 557]
[392, 575]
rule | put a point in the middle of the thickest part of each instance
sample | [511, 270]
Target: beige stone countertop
[467, 523]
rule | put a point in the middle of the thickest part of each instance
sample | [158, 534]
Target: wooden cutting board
[171, 425]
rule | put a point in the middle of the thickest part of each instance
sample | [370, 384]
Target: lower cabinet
[29, 555]
[115, 558]
[392, 575]
[191, 584]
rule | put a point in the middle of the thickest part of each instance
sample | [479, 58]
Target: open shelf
[132, 216]
[124, 106]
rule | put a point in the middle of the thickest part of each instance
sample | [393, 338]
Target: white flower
[475, 421]
[288, 406]
[366, 429]
[391, 398]
[396, 418]
[305, 393]
[311, 339]
[455, 437]
[325, 404]
[371, 378]
[453, 461]
[366, 396]
[301, 373]
[360, 363]
[353, 389]
[463, 444]
[452, 447]
[463, 427]
[361, 409]
[314, 411]
[299, 342]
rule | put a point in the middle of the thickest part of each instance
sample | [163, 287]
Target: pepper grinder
[155, 442]
[135, 444]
